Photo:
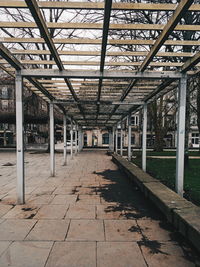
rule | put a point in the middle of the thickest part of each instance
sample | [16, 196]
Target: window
[134, 120]
[195, 138]
[105, 139]
[4, 104]
[194, 120]
[85, 139]
[4, 92]
[132, 139]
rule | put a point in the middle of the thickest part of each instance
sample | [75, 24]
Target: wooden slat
[98, 42]
[168, 29]
[191, 62]
[96, 53]
[98, 26]
[96, 63]
[96, 6]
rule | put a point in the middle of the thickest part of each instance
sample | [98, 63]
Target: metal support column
[52, 142]
[113, 139]
[82, 140]
[20, 139]
[65, 140]
[110, 141]
[76, 147]
[79, 140]
[181, 135]
[116, 140]
[121, 141]
[129, 137]
[71, 140]
[144, 138]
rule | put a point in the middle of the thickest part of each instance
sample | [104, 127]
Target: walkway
[88, 215]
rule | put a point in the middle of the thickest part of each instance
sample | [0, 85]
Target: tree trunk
[158, 146]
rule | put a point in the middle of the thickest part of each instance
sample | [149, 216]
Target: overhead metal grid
[97, 78]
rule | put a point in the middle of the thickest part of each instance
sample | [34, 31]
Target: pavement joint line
[31, 229]
[67, 230]
[49, 253]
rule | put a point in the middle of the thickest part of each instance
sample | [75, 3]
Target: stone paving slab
[120, 230]
[149, 229]
[49, 230]
[4, 209]
[22, 212]
[165, 255]
[86, 230]
[63, 199]
[43, 190]
[12, 230]
[26, 253]
[81, 211]
[52, 212]
[3, 246]
[89, 199]
[88, 215]
[73, 254]
[40, 199]
[108, 212]
[120, 253]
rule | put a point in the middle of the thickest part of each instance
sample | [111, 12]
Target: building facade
[35, 115]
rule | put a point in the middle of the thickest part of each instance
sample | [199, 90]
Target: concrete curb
[184, 215]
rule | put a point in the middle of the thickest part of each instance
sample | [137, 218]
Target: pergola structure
[105, 91]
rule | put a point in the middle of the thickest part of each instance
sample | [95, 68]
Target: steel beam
[106, 23]
[95, 5]
[129, 137]
[52, 142]
[90, 74]
[20, 139]
[191, 62]
[37, 15]
[181, 135]
[169, 27]
[144, 138]
[179, 12]
[65, 140]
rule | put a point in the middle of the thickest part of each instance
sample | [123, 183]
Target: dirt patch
[8, 164]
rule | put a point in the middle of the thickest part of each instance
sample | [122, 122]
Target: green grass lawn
[165, 169]
[165, 153]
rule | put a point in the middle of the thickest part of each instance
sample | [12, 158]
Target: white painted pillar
[20, 138]
[82, 140]
[144, 138]
[113, 139]
[71, 140]
[181, 135]
[116, 140]
[121, 141]
[52, 142]
[129, 137]
[65, 140]
[110, 141]
[79, 140]
[76, 146]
